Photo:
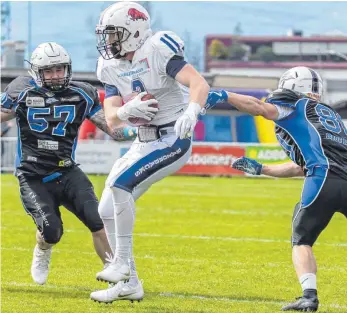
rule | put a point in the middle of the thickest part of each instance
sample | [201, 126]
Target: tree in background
[236, 51]
[265, 54]
[238, 29]
[217, 49]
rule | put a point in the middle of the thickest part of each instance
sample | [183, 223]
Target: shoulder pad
[15, 89]
[86, 87]
[284, 97]
[168, 44]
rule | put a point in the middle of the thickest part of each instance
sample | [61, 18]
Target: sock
[110, 230]
[134, 279]
[124, 207]
[308, 282]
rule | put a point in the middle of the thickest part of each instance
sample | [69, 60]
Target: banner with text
[213, 160]
[267, 154]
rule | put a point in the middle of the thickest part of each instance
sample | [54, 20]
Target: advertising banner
[97, 156]
[267, 154]
[213, 160]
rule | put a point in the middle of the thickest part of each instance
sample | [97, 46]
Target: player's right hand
[138, 108]
[215, 97]
[248, 165]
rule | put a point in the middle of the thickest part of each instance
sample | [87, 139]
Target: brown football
[137, 121]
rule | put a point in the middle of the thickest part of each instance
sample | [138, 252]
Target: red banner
[213, 160]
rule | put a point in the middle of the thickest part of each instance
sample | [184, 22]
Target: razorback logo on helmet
[136, 15]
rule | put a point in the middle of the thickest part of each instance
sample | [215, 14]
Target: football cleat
[303, 304]
[40, 265]
[121, 291]
[114, 272]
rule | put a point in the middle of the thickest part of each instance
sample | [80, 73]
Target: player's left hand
[248, 165]
[185, 124]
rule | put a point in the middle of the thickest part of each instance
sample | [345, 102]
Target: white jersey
[147, 72]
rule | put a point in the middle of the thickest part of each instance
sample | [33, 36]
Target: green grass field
[201, 245]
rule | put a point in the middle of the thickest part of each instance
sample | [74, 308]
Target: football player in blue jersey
[49, 109]
[315, 138]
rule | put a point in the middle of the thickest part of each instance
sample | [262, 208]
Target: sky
[72, 24]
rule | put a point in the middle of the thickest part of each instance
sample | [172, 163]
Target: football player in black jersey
[49, 109]
[315, 138]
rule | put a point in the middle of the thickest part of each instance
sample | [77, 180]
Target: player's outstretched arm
[289, 169]
[118, 134]
[243, 103]
[6, 115]
[251, 166]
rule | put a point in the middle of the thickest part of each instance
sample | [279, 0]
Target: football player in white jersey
[135, 60]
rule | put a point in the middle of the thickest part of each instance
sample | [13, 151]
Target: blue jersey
[313, 135]
[48, 123]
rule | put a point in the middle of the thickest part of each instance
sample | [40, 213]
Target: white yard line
[191, 237]
[172, 295]
[186, 260]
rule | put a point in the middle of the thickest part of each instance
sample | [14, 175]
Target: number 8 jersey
[313, 135]
[48, 123]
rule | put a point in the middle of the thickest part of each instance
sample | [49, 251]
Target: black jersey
[313, 135]
[48, 123]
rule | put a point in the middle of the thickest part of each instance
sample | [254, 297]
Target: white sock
[308, 281]
[110, 230]
[124, 206]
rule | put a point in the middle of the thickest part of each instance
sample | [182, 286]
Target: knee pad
[122, 200]
[91, 217]
[301, 232]
[52, 235]
[105, 208]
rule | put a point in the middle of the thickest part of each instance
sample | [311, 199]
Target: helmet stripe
[315, 81]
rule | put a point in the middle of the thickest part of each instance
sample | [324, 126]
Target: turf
[201, 245]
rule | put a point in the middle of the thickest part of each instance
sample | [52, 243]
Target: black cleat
[302, 304]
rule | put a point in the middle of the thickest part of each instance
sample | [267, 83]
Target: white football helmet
[48, 55]
[304, 80]
[123, 27]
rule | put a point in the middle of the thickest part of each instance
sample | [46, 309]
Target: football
[138, 121]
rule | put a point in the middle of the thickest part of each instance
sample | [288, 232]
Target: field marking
[173, 295]
[186, 260]
[214, 195]
[213, 238]
[254, 212]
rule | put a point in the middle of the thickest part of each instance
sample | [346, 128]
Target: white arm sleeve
[283, 112]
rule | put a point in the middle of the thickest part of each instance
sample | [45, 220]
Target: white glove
[185, 124]
[138, 108]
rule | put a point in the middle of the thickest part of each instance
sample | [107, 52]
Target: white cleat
[40, 265]
[114, 272]
[121, 291]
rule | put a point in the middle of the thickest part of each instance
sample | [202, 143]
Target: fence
[210, 159]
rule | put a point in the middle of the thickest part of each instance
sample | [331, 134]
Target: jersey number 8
[330, 120]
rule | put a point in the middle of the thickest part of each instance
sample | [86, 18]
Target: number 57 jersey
[48, 123]
[313, 135]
